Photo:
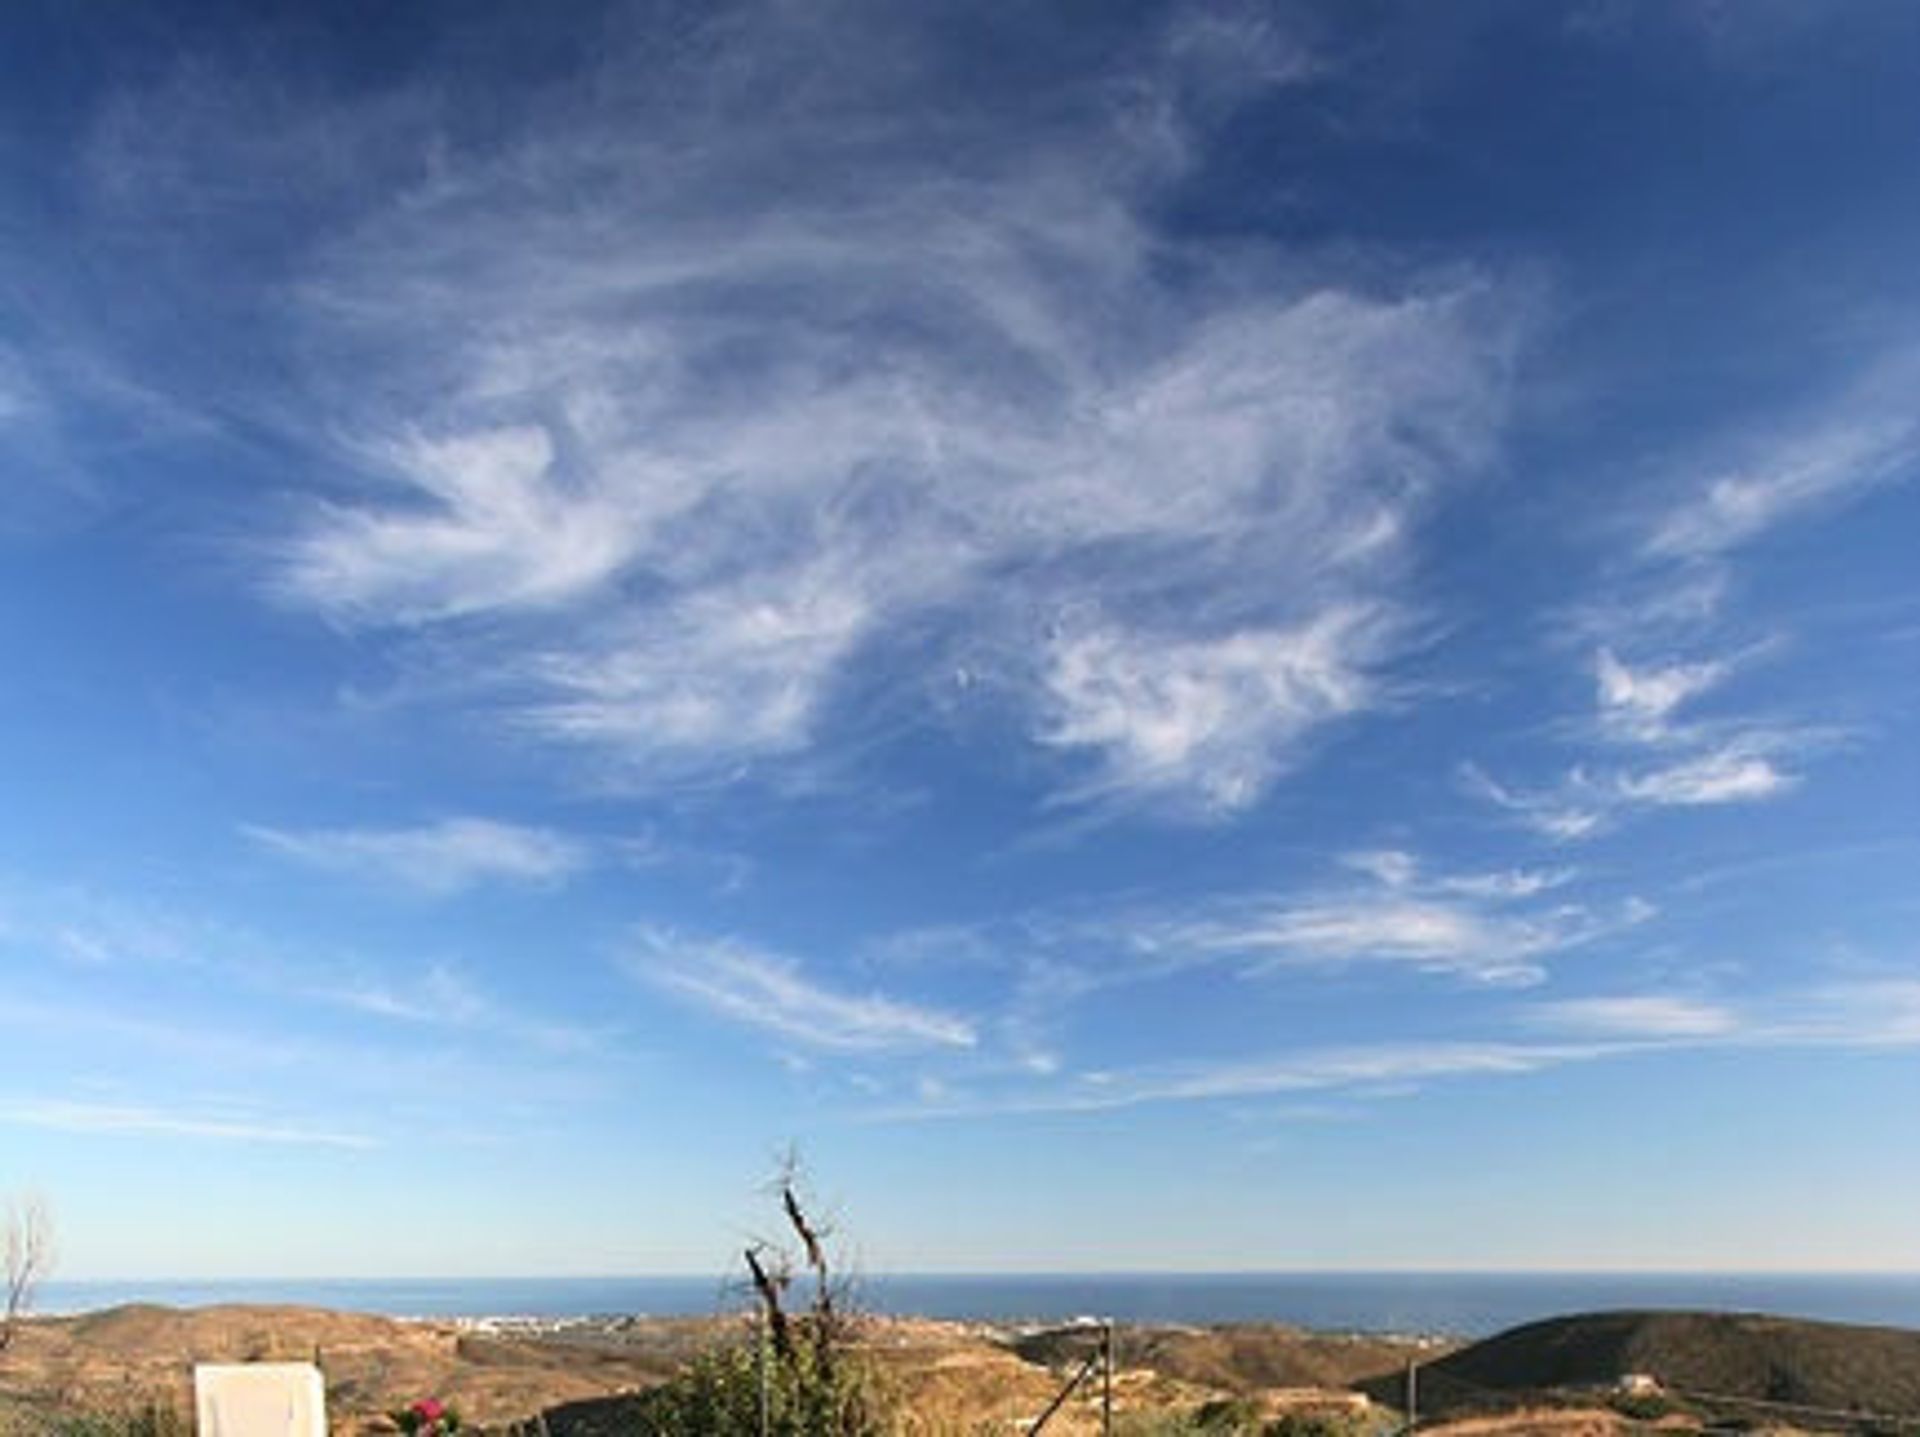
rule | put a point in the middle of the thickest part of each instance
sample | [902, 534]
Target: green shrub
[1227, 1415]
[1234, 1417]
[1645, 1406]
[720, 1394]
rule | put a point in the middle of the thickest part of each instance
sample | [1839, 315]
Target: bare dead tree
[824, 1324]
[768, 1284]
[28, 1253]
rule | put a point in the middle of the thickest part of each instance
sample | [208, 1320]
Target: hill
[1241, 1357]
[1721, 1359]
[143, 1353]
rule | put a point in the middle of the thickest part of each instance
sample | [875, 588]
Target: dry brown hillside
[950, 1377]
[132, 1355]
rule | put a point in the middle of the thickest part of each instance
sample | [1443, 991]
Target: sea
[1460, 1304]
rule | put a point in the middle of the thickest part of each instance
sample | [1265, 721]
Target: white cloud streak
[136, 1121]
[1356, 1068]
[1431, 934]
[1480, 926]
[1636, 1016]
[1863, 1016]
[770, 992]
[1736, 772]
[444, 998]
[1834, 461]
[437, 859]
[1865, 1013]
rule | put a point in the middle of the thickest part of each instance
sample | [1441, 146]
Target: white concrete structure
[259, 1399]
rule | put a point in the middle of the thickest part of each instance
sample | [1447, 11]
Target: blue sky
[1173, 636]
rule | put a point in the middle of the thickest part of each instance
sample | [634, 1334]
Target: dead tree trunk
[27, 1255]
[769, 1290]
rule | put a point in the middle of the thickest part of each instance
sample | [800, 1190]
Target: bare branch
[28, 1253]
[768, 1286]
[809, 1237]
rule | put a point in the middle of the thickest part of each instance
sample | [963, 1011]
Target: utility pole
[1106, 1379]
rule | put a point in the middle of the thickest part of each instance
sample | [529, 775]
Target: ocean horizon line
[1407, 1301]
[993, 1274]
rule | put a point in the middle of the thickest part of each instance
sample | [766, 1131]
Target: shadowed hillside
[1236, 1357]
[1731, 1355]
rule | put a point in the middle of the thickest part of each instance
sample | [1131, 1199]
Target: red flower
[428, 1409]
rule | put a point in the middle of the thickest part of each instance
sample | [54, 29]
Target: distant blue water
[1465, 1304]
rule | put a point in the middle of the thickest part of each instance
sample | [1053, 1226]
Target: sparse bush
[1157, 1424]
[149, 1420]
[1310, 1424]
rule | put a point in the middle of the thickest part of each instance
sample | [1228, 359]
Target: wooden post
[1413, 1392]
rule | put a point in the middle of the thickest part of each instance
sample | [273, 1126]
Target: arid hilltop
[947, 1375]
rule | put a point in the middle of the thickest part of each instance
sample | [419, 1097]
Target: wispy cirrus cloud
[1213, 720]
[1653, 752]
[1636, 1016]
[1436, 936]
[1485, 926]
[1397, 868]
[1638, 704]
[1861, 1016]
[1493, 929]
[444, 997]
[771, 992]
[1863, 1013]
[494, 532]
[1356, 1068]
[129, 1120]
[20, 400]
[1660, 638]
[1654, 757]
[1741, 770]
[740, 669]
[1590, 801]
[658, 426]
[1793, 480]
[437, 859]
